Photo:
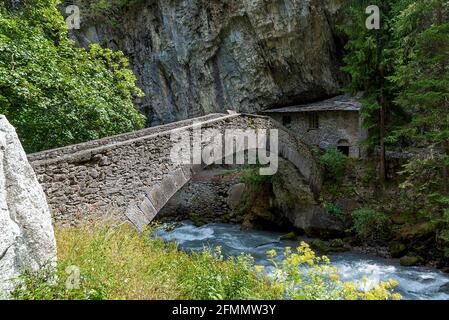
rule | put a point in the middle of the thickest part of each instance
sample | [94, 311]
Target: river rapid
[415, 283]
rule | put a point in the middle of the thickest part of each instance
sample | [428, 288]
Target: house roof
[339, 103]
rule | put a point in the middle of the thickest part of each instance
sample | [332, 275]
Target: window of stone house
[286, 120]
[313, 121]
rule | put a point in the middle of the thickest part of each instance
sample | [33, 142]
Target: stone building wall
[134, 174]
[334, 127]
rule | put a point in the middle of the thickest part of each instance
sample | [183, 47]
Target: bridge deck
[67, 150]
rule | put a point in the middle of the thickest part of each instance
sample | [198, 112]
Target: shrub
[334, 210]
[305, 276]
[54, 93]
[48, 284]
[334, 163]
[371, 226]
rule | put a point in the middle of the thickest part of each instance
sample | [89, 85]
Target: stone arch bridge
[133, 173]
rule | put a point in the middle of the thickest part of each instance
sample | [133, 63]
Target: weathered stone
[197, 57]
[168, 187]
[410, 260]
[288, 236]
[337, 243]
[235, 195]
[296, 202]
[93, 173]
[147, 208]
[320, 246]
[137, 217]
[26, 233]
[397, 249]
[416, 231]
[317, 223]
[139, 163]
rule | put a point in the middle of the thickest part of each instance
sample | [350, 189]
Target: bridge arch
[133, 174]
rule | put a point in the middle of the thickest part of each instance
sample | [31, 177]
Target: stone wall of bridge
[132, 175]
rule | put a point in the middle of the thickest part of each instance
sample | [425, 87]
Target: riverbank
[105, 261]
[110, 262]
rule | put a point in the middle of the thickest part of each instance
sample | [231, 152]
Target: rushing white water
[414, 282]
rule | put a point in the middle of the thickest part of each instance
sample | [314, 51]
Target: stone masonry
[133, 173]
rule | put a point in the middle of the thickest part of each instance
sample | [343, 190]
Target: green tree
[422, 30]
[422, 33]
[54, 93]
[369, 61]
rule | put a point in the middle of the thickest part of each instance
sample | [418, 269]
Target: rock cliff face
[194, 57]
[26, 233]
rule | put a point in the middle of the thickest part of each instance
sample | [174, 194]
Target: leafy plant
[48, 284]
[334, 210]
[252, 176]
[371, 226]
[334, 163]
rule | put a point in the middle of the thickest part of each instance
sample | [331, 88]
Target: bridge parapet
[50, 155]
[133, 173]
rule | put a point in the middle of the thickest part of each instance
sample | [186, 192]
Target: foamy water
[414, 282]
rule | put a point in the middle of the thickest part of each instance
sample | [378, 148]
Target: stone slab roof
[338, 103]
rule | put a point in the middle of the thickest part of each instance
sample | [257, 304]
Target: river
[415, 283]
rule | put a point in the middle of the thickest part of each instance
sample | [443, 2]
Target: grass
[117, 262]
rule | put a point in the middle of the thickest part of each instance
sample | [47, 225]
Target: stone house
[335, 122]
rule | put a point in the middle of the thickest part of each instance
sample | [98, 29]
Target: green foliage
[54, 93]
[334, 210]
[210, 278]
[334, 163]
[423, 33]
[422, 78]
[405, 67]
[252, 176]
[368, 173]
[45, 285]
[371, 226]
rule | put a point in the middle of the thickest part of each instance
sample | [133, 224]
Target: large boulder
[236, 195]
[295, 201]
[316, 222]
[27, 239]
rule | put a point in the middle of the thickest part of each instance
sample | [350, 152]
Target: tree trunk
[383, 107]
[445, 168]
[440, 13]
[382, 159]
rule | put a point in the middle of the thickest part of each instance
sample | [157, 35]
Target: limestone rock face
[194, 57]
[26, 233]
